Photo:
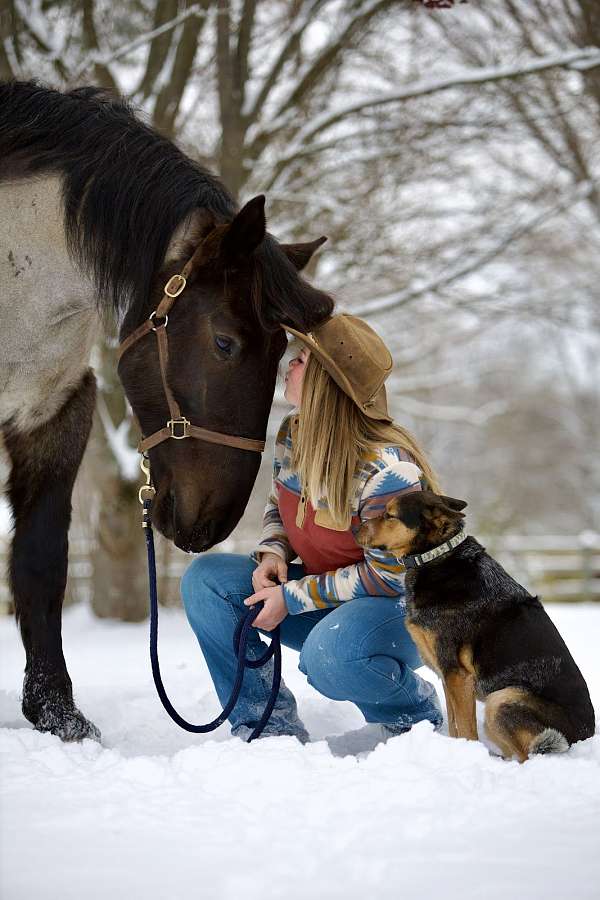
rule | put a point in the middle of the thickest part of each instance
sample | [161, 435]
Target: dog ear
[452, 503]
[441, 516]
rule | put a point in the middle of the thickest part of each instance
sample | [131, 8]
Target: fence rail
[557, 567]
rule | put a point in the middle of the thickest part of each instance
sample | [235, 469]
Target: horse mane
[126, 188]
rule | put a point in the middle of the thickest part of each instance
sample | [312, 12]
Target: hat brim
[377, 407]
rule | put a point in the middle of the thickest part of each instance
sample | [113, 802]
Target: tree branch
[104, 58]
[324, 61]
[401, 298]
[102, 73]
[432, 86]
[31, 25]
[450, 413]
[244, 43]
[169, 98]
[164, 13]
[252, 108]
[126, 457]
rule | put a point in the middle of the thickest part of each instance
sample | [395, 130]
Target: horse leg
[44, 465]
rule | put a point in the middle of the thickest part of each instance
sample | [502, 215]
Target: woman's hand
[270, 567]
[274, 610]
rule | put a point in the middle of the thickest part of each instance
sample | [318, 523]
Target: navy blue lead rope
[240, 638]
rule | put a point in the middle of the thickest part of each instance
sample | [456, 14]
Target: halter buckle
[171, 291]
[182, 423]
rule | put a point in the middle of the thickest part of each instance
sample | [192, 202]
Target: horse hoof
[67, 724]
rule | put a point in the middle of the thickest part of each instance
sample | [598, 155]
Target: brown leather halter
[178, 427]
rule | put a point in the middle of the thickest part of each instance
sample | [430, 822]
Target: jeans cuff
[244, 732]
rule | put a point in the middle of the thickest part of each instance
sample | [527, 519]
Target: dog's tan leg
[496, 703]
[426, 641]
[514, 718]
[451, 716]
[460, 686]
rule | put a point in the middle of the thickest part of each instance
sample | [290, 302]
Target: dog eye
[223, 343]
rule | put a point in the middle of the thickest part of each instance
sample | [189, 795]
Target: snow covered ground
[158, 813]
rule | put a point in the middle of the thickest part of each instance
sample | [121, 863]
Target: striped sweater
[381, 474]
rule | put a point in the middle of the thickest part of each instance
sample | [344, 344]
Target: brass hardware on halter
[147, 491]
[175, 292]
[172, 424]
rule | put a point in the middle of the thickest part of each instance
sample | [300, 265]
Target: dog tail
[549, 741]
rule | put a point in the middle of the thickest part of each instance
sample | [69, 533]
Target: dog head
[413, 523]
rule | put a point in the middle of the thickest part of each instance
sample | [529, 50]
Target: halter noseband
[178, 427]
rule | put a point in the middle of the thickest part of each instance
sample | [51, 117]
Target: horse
[98, 212]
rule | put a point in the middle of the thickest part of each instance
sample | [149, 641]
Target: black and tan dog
[483, 633]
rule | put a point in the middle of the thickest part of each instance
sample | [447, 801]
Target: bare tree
[450, 156]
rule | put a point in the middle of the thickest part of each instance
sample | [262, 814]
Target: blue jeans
[358, 651]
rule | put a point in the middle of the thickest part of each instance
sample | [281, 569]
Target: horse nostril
[202, 536]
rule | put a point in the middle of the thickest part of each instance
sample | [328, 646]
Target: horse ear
[300, 254]
[189, 235]
[452, 503]
[247, 230]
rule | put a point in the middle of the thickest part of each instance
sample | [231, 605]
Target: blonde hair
[333, 435]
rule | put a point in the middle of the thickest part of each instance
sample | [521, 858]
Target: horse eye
[223, 343]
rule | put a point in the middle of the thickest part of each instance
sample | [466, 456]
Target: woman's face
[294, 375]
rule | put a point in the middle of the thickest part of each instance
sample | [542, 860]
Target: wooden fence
[557, 567]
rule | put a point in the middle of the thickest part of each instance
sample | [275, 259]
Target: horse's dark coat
[44, 465]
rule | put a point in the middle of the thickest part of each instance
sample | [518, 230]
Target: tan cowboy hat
[356, 358]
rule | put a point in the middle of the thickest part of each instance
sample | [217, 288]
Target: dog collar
[419, 559]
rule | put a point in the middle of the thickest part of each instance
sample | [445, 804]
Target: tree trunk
[120, 580]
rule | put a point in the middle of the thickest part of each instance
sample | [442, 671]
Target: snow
[157, 812]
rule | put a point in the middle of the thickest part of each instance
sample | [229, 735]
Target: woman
[338, 460]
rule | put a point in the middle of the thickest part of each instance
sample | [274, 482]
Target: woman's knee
[334, 654]
[324, 659]
[215, 576]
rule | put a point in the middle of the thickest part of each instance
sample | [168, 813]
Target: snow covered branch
[465, 78]
[448, 412]
[103, 59]
[126, 457]
[308, 77]
[253, 104]
[418, 288]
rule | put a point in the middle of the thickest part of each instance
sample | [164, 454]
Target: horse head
[225, 342]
